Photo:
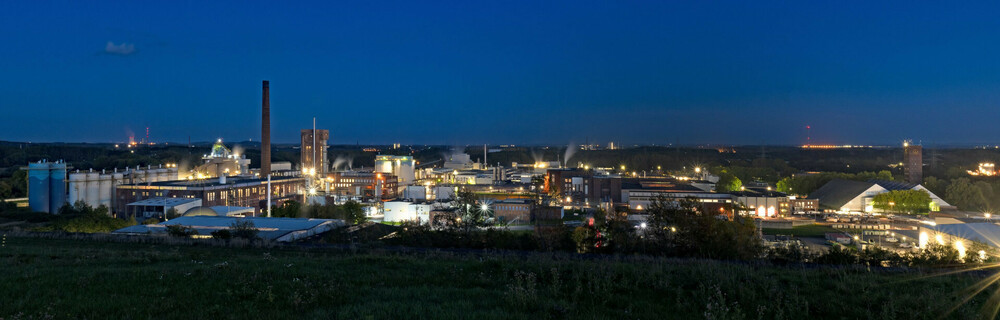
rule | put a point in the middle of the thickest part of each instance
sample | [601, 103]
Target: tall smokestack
[265, 133]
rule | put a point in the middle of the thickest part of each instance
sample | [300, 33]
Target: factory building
[46, 185]
[458, 161]
[241, 192]
[98, 188]
[580, 185]
[477, 177]
[365, 185]
[220, 162]
[399, 211]
[159, 206]
[314, 160]
[640, 194]
[400, 166]
[415, 192]
[764, 203]
[513, 210]
[803, 205]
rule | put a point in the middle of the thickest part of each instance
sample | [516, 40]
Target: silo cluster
[46, 185]
[98, 188]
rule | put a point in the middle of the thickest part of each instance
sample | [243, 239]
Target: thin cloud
[121, 49]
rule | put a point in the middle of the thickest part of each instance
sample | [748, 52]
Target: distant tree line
[804, 184]
[351, 212]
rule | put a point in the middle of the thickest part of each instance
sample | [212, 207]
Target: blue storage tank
[38, 186]
[57, 185]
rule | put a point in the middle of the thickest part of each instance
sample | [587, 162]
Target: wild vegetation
[352, 212]
[51, 278]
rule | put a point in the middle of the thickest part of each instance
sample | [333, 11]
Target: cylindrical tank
[38, 186]
[138, 176]
[77, 187]
[116, 180]
[93, 189]
[172, 174]
[105, 196]
[162, 175]
[57, 185]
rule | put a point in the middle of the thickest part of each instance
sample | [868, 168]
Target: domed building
[219, 211]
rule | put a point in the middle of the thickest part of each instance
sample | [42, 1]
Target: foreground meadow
[52, 278]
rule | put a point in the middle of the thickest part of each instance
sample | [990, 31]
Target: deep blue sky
[499, 72]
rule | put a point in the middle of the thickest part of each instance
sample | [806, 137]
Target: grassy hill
[45, 278]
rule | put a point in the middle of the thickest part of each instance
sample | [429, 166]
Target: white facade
[415, 193]
[400, 166]
[474, 178]
[98, 188]
[444, 192]
[399, 211]
[863, 201]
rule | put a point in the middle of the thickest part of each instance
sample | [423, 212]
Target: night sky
[503, 72]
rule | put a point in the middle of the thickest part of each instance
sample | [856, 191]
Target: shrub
[838, 254]
[177, 230]
[244, 229]
[223, 234]
[90, 223]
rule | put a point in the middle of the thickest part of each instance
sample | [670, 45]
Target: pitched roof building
[856, 196]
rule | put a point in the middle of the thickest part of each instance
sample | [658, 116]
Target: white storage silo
[77, 187]
[93, 188]
[105, 195]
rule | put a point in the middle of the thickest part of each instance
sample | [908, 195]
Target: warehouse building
[273, 229]
[241, 192]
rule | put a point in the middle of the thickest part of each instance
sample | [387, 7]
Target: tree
[903, 201]
[244, 229]
[6, 191]
[685, 228]
[222, 234]
[177, 230]
[288, 209]
[728, 183]
[965, 195]
[354, 212]
[935, 185]
[19, 183]
[172, 213]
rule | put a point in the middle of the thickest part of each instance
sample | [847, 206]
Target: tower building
[314, 159]
[913, 163]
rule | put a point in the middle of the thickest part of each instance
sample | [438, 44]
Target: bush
[417, 235]
[90, 223]
[223, 234]
[150, 221]
[838, 254]
[244, 229]
[177, 230]
[790, 254]
[26, 215]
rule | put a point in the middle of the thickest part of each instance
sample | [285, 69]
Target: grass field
[46, 278]
[808, 231]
